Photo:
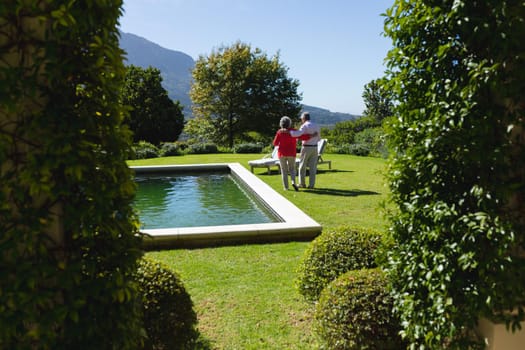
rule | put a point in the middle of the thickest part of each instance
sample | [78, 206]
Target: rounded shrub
[333, 253]
[202, 148]
[168, 149]
[248, 148]
[144, 150]
[341, 149]
[169, 318]
[359, 149]
[355, 312]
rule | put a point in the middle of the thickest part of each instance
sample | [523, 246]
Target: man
[309, 155]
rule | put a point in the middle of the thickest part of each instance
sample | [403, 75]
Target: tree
[457, 174]
[69, 239]
[237, 90]
[378, 101]
[153, 117]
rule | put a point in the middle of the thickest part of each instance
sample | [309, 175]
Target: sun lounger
[268, 161]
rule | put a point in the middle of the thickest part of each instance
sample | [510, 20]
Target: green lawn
[244, 295]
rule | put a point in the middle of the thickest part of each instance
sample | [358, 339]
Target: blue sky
[332, 47]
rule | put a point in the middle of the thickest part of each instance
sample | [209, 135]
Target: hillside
[176, 66]
[326, 118]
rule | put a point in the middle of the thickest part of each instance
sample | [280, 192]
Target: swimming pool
[290, 223]
[197, 199]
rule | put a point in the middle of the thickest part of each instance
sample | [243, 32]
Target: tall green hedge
[68, 235]
[457, 174]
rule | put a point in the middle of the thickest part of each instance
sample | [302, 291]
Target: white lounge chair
[268, 161]
[321, 145]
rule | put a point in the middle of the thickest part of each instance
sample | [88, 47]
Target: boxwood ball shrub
[333, 253]
[169, 318]
[355, 312]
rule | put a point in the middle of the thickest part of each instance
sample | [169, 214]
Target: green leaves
[453, 174]
[153, 116]
[69, 237]
[333, 253]
[237, 90]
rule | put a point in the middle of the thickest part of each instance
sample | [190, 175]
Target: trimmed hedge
[355, 312]
[333, 253]
[169, 318]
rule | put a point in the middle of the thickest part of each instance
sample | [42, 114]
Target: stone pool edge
[295, 224]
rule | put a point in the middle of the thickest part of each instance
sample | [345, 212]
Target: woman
[287, 150]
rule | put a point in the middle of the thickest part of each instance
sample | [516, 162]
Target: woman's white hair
[285, 122]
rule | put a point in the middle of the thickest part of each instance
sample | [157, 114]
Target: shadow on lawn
[337, 192]
[319, 171]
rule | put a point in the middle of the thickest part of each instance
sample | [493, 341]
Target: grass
[244, 295]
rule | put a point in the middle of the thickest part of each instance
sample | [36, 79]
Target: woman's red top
[287, 143]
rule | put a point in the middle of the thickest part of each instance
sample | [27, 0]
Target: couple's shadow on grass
[339, 192]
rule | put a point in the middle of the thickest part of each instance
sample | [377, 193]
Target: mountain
[326, 118]
[176, 66]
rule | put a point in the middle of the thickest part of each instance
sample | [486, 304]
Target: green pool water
[196, 199]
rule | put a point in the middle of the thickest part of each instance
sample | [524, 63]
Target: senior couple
[286, 140]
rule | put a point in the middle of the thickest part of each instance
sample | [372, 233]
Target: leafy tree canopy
[237, 90]
[153, 117]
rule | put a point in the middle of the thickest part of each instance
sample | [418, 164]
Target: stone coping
[294, 223]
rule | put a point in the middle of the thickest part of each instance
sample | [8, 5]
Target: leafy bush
[168, 149]
[202, 148]
[359, 149]
[182, 146]
[248, 148]
[374, 139]
[144, 150]
[341, 149]
[169, 318]
[333, 253]
[224, 149]
[355, 312]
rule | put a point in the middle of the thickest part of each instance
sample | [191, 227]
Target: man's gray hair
[285, 122]
[305, 116]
